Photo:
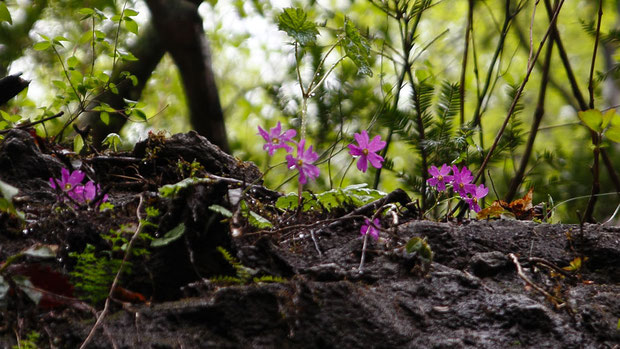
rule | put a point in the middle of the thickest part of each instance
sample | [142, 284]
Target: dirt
[470, 296]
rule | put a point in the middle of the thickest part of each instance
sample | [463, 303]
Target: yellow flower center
[365, 151]
[299, 163]
[440, 177]
[275, 141]
[461, 185]
[68, 186]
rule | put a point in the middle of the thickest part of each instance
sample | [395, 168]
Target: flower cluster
[461, 182]
[276, 139]
[70, 183]
[365, 150]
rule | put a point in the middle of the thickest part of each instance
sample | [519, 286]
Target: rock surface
[470, 296]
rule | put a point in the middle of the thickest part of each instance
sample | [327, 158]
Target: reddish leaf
[125, 295]
[54, 287]
[494, 211]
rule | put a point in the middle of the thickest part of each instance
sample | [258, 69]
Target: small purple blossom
[303, 162]
[477, 193]
[68, 181]
[367, 151]
[276, 139]
[462, 181]
[371, 228]
[440, 177]
[88, 192]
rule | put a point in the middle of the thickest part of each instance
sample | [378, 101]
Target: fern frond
[269, 278]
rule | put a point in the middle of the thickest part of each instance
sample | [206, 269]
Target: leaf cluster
[352, 196]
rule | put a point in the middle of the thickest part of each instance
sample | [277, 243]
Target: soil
[185, 294]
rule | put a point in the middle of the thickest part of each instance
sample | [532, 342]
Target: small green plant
[93, 274]
[7, 192]
[243, 274]
[30, 342]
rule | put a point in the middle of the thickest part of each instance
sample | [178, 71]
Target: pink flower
[477, 192]
[461, 181]
[276, 139]
[371, 228]
[87, 193]
[367, 151]
[67, 181]
[440, 177]
[303, 162]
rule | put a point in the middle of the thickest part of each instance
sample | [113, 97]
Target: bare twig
[596, 137]
[530, 67]
[538, 116]
[32, 123]
[515, 260]
[106, 307]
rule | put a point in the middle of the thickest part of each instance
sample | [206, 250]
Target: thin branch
[596, 137]
[470, 16]
[515, 260]
[530, 67]
[538, 116]
[128, 251]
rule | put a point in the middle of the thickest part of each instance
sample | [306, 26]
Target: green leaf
[170, 236]
[421, 247]
[353, 195]
[72, 62]
[131, 25]
[171, 190]
[78, 144]
[8, 191]
[42, 251]
[607, 117]
[259, 221]
[294, 21]
[613, 133]
[221, 210]
[85, 11]
[130, 13]
[5, 15]
[113, 140]
[105, 117]
[24, 284]
[592, 118]
[42, 46]
[357, 48]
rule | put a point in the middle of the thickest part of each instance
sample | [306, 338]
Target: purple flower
[440, 177]
[67, 181]
[477, 192]
[276, 139]
[367, 150]
[371, 228]
[86, 193]
[303, 162]
[461, 181]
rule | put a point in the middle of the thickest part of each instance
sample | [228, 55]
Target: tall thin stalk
[596, 137]
[530, 67]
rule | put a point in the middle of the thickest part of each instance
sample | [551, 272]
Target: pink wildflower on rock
[371, 228]
[367, 150]
[88, 192]
[303, 162]
[477, 193]
[440, 177]
[68, 181]
[461, 181]
[276, 139]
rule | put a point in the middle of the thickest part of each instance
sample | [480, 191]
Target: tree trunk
[180, 31]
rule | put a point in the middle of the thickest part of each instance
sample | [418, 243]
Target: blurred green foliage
[257, 80]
